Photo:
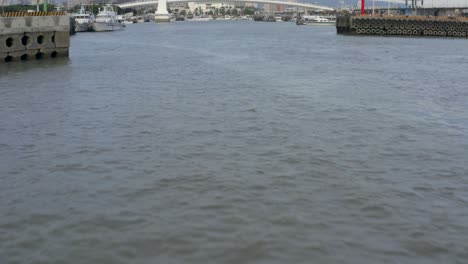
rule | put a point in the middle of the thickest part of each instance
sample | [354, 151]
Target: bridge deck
[277, 2]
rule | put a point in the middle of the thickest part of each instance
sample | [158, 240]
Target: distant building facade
[205, 8]
[271, 8]
[255, 5]
[177, 8]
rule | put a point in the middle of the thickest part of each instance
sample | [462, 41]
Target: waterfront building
[271, 8]
[205, 8]
[176, 8]
[239, 4]
[255, 5]
[280, 8]
[268, 8]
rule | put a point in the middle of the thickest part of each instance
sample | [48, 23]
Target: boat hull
[101, 26]
[200, 19]
[320, 23]
[82, 27]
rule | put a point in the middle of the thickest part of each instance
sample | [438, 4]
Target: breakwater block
[402, 26]
[36, 35]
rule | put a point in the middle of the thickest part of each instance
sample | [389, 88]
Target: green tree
[182, 13]
[197, 12]
[222, 11]
[228, 12]
[234, 12]
[210, 13]
[248, 10]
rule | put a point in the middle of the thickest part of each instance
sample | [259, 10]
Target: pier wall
[34, 37]
[402, 25]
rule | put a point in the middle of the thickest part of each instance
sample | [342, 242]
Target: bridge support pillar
[161, 14]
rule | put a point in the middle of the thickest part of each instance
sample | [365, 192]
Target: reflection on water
[236, 142]
[10, 68]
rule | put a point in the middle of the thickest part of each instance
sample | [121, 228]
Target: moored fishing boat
[318, 21]
[107, 20]
[83, 20]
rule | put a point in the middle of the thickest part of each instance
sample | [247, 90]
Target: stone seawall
[34, 37]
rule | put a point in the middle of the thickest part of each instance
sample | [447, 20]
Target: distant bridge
[275, 2]
[368, 3]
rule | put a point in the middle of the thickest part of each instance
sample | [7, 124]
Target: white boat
[107, 20]
[83, 20]
[318, 21]
[201, 18]
[279, 19]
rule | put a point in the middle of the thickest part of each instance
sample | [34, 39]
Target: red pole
[363, 7]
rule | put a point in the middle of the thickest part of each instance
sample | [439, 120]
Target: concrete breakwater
[402, 25]
[37, 35]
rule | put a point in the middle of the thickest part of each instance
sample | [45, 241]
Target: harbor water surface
[236, 142]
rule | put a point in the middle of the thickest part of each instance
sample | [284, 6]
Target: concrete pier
[36, 35]
[402, 26]
[161, 14]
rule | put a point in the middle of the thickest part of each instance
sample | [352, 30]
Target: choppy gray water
[236, 142]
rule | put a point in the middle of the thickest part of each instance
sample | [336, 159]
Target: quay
[34, 35]
[402, 25]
